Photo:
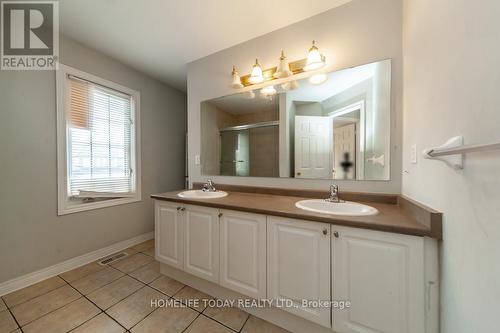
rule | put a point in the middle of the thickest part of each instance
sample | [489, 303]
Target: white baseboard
[37, 276]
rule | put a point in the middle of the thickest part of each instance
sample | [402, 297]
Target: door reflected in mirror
[334, 128]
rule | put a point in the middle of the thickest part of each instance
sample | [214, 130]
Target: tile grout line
[100, 310]
[104, 285]
[29, 322]
[246, 321]
[11, 307]
[146, 285]
[191, 323]
[32, 321]
[164, 293]
[15, 319]
[231, 329]
[149, 314]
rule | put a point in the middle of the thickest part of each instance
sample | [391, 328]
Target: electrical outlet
[413, 154]
[197, 160]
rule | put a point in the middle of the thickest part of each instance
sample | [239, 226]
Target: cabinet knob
[336, 234]
[183, 209]
[325, 231]
[220, 214]
[179, 208]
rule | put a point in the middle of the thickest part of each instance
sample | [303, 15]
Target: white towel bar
[451, 152]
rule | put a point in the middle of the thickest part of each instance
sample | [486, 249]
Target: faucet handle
[209, 186]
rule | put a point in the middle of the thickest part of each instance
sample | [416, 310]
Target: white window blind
[100, 128]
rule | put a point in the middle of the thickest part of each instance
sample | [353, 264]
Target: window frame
[64, 204]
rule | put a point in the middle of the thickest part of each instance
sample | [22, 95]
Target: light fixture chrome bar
[249, 126]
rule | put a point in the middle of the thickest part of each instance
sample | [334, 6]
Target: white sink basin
[199, 194]
[347, 208]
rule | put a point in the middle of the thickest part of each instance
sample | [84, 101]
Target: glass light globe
[256, 75]
[315, 60]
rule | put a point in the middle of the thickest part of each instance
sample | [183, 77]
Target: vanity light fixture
[315, 60]
[256, 76]
[236, 84]
[283, 69]
[268, 91]
[318, 78]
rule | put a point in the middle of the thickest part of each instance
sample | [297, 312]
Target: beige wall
[256, 117]
[32, 236]
[451, 83]
[264, 151]
[356, 33]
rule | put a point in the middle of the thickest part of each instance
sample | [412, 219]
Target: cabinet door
[243, 253]
[381, 274]
[298, 266]
[201, 242]
[169, 234]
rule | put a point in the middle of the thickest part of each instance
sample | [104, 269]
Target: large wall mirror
[331, 126]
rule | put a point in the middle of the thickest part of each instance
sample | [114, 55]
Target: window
[98, 146]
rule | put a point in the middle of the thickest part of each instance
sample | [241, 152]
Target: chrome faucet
[209, 186]
[334, 194]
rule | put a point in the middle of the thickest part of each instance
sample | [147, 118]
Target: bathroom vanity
[256, 243]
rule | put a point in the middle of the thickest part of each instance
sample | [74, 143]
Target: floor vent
[116, 257]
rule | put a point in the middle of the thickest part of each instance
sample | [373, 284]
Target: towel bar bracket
[453, 160]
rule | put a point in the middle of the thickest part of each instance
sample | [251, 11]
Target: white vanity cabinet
[187, 238]
[169, 233]
[298, 265]
[201, 242]
[382, 275]
[390, 280]
[243, 253]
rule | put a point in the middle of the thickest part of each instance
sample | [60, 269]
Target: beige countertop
[404, 216]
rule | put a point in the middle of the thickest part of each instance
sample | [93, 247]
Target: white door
[201, 242]
[298, 266]
[381, 274]
[313, 147]
[344, 141]
[169, 233]
[243, 253]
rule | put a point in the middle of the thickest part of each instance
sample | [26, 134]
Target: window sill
[68, 208]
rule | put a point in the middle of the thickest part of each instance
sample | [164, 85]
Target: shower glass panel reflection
[250, 151]
[235, 153]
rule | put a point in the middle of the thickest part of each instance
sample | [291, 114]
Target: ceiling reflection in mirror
[328, 126]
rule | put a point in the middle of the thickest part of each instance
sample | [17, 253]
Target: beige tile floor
[117, 298]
